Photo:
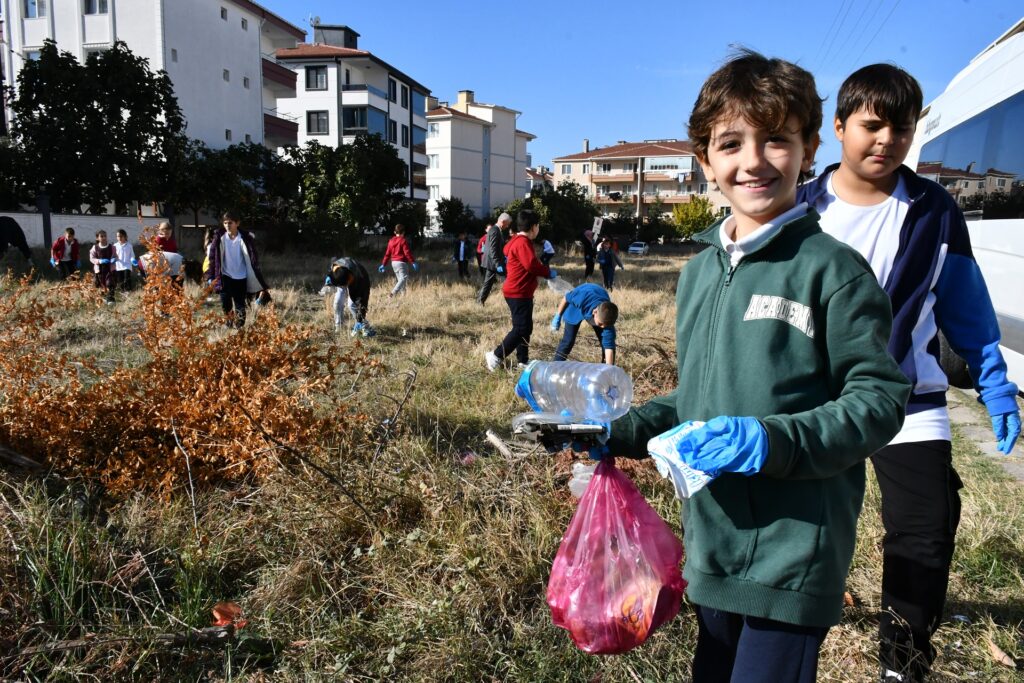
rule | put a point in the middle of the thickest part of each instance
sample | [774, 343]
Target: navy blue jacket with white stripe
[935, 284]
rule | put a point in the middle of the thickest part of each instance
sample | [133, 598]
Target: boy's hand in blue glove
[416, 267]
[135, 262]
[501, 270]
[556, 322]
[553, 275]
[53, 262]
[380, 268]
[726, 444]
[327, 281]
[1007, 429]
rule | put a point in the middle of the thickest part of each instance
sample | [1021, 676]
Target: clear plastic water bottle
[559, 286]
[591, 391]
[582, 473]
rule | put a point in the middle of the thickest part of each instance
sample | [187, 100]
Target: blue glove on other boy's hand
[556, 322]
[415, 267]
[380, 268]
[1006, 428]
[53, 262]
[553, 275]
[726, 444]
[501, 270]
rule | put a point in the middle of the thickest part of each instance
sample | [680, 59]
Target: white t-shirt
[234, 259]
[874, 231]
[124, 253]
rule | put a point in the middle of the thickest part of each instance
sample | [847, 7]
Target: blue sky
[612, 71]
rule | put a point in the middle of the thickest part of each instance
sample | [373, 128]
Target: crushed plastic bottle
[585, 391]
[559, 286]
[582, 473]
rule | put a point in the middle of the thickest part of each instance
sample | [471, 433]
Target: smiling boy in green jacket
[785, 326]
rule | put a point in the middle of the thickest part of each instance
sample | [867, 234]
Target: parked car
[641, 248]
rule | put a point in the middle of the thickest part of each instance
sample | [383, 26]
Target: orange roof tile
[318, 51]
[448, 111]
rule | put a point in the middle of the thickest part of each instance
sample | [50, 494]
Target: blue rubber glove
[1007, 429]
[53, 262]
[598, 450]
[556, 322]
[553, 275]
[104, 261]
[135, 262]
[327, 281]
[501, 270]
[380, 268]
[726, 444]
[415, 267]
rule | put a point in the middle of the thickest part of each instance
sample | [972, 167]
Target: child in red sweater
[401, 258]
[523, 269]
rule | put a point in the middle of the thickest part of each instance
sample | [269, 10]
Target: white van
[971, 141]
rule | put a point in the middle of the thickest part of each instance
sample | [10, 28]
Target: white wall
[85, 226]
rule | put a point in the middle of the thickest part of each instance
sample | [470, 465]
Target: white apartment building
[475, 153]
[639, 173]
[219, 55]
[343, 92]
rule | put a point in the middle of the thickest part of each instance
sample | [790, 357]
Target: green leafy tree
[412, 214]
[565, 212]
[693, 216]
[655, 226]
[454, 216]
[96, 133]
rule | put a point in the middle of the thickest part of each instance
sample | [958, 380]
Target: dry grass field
[396, 543]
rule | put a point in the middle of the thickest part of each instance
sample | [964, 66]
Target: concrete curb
[973, 422]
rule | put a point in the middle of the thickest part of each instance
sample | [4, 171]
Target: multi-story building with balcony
[637, 173]
[219, 55]
[475, 152]
[344, 92]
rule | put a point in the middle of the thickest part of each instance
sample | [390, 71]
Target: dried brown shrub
[224, 405]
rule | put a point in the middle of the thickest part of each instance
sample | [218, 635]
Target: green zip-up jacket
[795, 335]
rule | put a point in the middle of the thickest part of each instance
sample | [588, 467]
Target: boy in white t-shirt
[914, 236]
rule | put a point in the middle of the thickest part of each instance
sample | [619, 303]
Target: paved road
[969, 415]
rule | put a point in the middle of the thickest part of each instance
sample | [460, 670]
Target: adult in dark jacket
[589, 253]
[235, 269]
[11, 235]
[460, 255]
[493, 261]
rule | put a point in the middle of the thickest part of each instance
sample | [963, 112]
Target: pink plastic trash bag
[616, 576]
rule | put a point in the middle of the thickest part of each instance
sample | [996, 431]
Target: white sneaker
[522, 366]
[492, 361]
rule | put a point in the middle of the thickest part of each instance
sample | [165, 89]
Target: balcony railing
[360, 87]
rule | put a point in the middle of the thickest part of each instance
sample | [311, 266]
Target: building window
[224, 13]
[433, 130]
[433, 161]
[1001, 182]
[392, 130]
[629, 168]
[316, 123]
[627, 189]
[31, 55]
[245, 82]
[702, 188]
[245, 24]
[604, 168]
[248, 138]
[174, 55]
[405, 135]
[566, 169]
[316, 78]
[227, 134]
[227, 75]
[981, 184]
[405, 97]
[35, 9]
[586, 169]
[96, 7]
[392, 90]
[434, 191]
[964, 184]
[348, 77]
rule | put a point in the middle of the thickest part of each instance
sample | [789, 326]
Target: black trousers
[518, 338]
[232, 295]
[463, 269]
[920, 514]
[490, 277]
[588, 262]
[66, 269]
[734, 648]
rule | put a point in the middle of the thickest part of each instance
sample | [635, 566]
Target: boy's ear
[840, 128]
[810, 149]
